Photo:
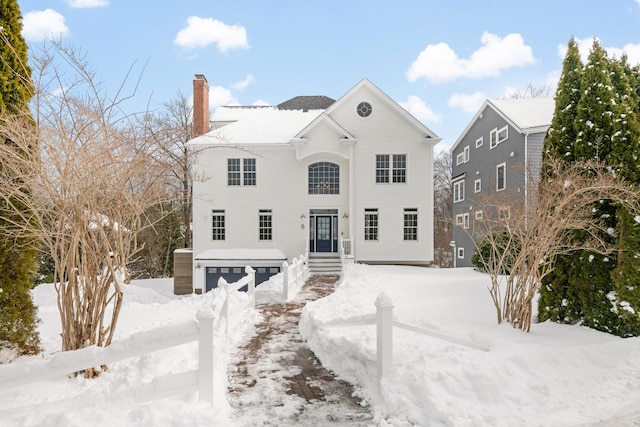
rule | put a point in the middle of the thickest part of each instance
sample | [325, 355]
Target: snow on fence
[202, 329]
[294, 276]
[384, 334]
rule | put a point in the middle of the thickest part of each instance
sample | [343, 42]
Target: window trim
[477, 185]
[371, 230]
[458, 193]
[410, 230]
[502, 166]
[479, 142]
[466, 219]
[505, 128]
[460, 159]
[244, 172]
[265, 229]
[479, 215]
[331, 186]
[460, 219]
[387, 171]
[218, 231]
[460, 253]
[495, 136]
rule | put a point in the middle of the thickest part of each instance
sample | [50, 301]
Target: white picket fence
[294, 275]
[384, 334]
[208, 321]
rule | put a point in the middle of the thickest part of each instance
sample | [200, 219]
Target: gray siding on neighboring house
[481, 164]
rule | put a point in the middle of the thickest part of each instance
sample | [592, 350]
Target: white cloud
[85, 4]
[419, 109]
[260, 102]
[219, 95]
[41, 24]
[439, 63]
[470, 103]
[584, 46]
[242, 84]
[201, 32]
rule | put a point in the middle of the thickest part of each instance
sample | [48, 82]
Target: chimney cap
[201, 77]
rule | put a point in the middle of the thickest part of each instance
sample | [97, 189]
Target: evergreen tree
[602, 292]
[561, 135]
[18, 257]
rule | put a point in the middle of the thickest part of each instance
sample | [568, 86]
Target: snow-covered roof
[526, 113]
[241, 254]
[249, 125]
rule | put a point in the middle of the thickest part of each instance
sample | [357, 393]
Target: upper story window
[324, 178]
[496, 136]
[477, 185]
[463, 157]
[479, 142]
[218, 224]
[391, 168]
[458, 191]
[241, 172]
[501, 176]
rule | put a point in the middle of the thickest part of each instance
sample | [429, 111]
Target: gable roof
[526, 115]
[365, 83]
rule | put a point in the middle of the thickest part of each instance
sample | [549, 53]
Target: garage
[231, 263]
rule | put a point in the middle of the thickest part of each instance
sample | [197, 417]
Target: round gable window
[364, 109]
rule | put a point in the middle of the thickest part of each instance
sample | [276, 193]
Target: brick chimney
[200, 105]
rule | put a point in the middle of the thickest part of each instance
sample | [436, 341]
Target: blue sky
[439, 59]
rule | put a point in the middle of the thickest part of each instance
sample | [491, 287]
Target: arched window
[324, 178]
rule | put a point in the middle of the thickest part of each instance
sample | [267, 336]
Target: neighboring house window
[465, 224]
[241, 172]
[477, 185]
[496, 136]
[391, 167]
[265, 225]
[218, 224]
[479, 142]
[411, 224]
[460, 219]
[458, 191]
[324, 178]
[460, 253]
[501, 176]
[478, 215]
[371, 224]
[463, 157]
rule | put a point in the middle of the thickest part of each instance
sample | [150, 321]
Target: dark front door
[323, 234]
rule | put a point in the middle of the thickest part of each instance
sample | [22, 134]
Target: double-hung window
[218, 224]
[501, 176]
[391, 168]
[458, 191]
[411, 224]
[265, 224]
[371, 224]
[241, 172]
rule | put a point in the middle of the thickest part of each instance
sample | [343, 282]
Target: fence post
[285, 280]
[384, 323]
[251, 287]
[224, 313]
[206, 361]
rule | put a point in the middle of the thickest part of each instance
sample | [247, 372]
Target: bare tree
[87, 193]
[532, 91]
[524, 239]
[442, 206]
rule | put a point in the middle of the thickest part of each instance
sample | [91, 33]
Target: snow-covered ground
[556, 375]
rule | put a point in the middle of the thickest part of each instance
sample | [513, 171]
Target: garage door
[233, 274]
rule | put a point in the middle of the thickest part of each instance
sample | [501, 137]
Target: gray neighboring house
[500, 147]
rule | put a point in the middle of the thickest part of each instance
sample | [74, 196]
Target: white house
[350, 178]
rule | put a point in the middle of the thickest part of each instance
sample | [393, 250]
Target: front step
[325, 265]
